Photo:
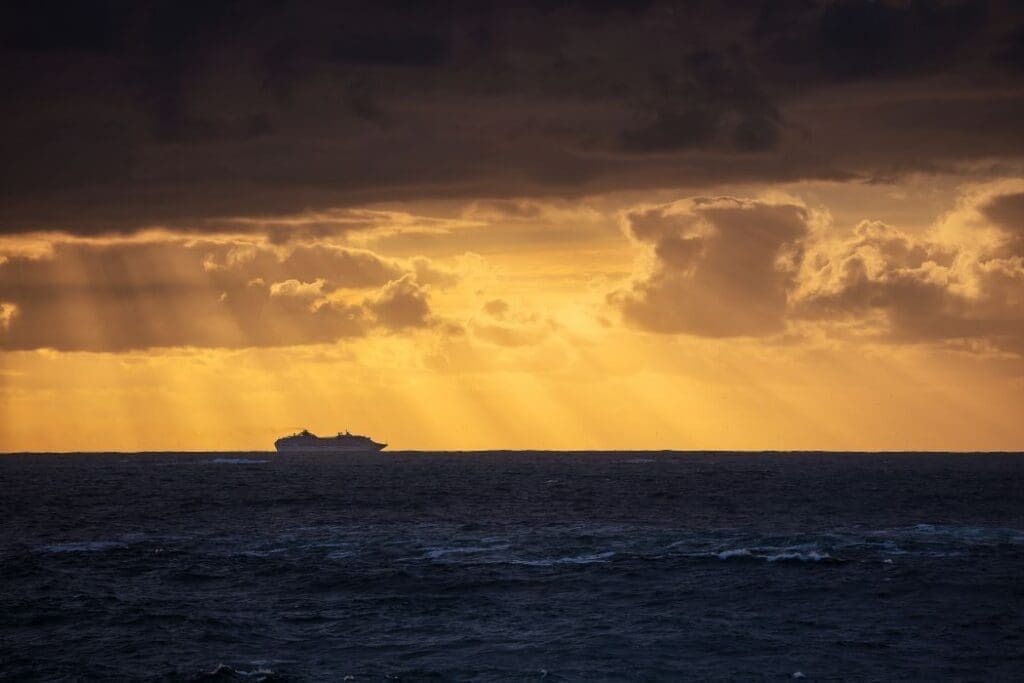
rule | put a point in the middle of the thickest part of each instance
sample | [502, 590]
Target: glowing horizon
[543, 227]
[526, 345]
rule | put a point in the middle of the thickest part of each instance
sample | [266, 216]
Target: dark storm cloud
[120, 115]
[1012, 52]
[690, 105]
[850, 39]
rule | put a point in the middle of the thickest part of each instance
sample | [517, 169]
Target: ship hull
[329, 448]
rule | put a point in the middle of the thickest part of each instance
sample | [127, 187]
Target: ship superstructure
[308, 442]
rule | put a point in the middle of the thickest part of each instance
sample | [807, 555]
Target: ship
[308, 442]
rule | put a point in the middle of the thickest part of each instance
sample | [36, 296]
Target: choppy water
[522, 566]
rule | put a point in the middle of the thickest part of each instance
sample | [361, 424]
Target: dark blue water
[512, 566]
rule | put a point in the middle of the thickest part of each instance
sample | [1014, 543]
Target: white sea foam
[575, 559]
[770, 554]
[812, 556]
[226, 672]
[237, 461]
[927, 540]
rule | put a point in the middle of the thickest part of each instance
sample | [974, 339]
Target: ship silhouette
[308, 442]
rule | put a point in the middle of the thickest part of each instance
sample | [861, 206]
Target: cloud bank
[725, 267]
[122, 295]
[120, 116]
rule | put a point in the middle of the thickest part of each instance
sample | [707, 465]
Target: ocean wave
[811, 556]
[575, 559]
[223, 672]
[768, 554]
[837, 545]
[972, 535]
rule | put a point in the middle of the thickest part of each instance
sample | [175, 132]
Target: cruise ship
[308, 442]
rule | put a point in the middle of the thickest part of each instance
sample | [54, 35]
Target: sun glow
[171, 342]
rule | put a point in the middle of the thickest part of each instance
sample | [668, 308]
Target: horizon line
[689, 451]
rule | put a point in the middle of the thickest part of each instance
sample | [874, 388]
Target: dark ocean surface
[512, 566]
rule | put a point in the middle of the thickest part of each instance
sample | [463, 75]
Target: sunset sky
[557, 225]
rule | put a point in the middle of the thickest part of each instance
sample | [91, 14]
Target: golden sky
[552, 225]
[754, 318]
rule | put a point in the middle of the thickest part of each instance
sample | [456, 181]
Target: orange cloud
[722, 266]
[7, 313]
[748, 267]
[903, 288]
[119, 295]
[298, 289]
[401, 304]
[496, 308]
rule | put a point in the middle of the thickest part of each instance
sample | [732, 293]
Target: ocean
[521, 566]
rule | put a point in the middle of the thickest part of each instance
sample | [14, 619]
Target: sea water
[512, 566]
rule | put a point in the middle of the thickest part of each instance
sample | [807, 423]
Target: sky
[552, 225]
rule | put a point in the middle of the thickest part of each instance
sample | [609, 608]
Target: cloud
[503, 326]
[721, 267]
[1012, 52]
[712, 98]
[429, 273]
[847, 39]
[192, 117]
[962, 282]
[313, 226]
[878, 268]
[120, 295]
[505, 210]
[401, 304]
[7, 312]
[725, 267]
[513, 334]
[298, 289]
[1006, 212]
[496, 308]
